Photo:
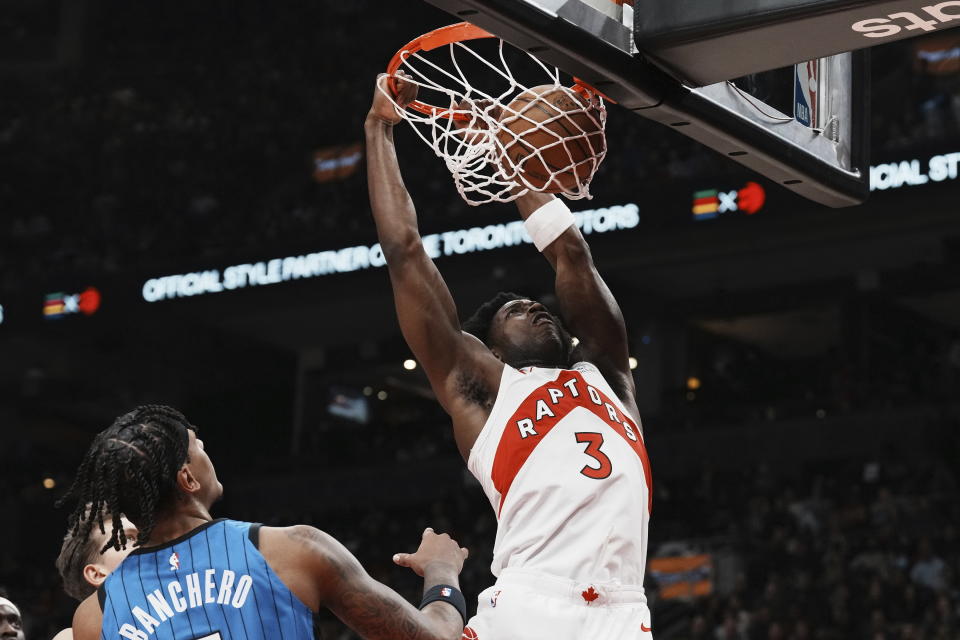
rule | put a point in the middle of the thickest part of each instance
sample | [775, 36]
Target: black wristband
[449, 594]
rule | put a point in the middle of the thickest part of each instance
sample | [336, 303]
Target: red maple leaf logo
[590, 594]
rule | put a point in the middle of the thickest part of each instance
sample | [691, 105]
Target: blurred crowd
[828, 549]
[855, 549]
[741, 383]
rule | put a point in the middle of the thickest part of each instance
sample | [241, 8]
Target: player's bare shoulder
[620, 382]
[477, 379]
[87, 619]
[300, 549]
[297, 555]
[292, 546]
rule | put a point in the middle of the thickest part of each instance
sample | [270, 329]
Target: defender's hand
[382, 108]
[435, 550]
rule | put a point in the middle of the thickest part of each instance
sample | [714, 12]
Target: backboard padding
[713, 115]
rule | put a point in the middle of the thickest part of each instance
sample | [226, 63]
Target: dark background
[815, 456]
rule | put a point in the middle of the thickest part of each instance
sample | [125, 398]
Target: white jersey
[565, 468]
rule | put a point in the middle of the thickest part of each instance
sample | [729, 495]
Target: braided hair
[130, 469]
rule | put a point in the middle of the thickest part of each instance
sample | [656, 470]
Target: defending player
[192, 577]
[83, 567]
[551, 432]
[11, 623]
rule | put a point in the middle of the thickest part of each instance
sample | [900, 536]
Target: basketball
[552, 139]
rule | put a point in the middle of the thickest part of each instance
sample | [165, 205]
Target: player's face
[105, 563]
[202, 469]
[111, 558]
[11, 625]
[525, 330]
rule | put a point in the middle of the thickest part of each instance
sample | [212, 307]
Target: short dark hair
[130, 469]
[75, 554]
[482, 319]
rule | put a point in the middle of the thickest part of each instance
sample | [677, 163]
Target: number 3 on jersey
[593, 442]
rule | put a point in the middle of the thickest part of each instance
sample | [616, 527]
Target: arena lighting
[381, 395]
[49, 483]
[409, 364]
[368, 391]
[693, 383]
[358, 258]
[1, 314]
[633, 363]
[915, 172]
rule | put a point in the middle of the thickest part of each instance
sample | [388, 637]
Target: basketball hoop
[468, 132]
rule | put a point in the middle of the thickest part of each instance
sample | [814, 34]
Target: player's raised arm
[425, 308]
[586, 303]
[330, 576]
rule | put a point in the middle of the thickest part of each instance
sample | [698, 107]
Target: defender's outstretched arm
[425, 308]
[586, 303]
[329, 576]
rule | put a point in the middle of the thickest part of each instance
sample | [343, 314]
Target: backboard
[603, 42]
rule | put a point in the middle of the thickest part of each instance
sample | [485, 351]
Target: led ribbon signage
[358, 258]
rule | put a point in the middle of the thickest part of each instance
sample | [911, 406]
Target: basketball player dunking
[552, 432]
[191, 577]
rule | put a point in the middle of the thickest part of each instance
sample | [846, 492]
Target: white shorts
[524, 605]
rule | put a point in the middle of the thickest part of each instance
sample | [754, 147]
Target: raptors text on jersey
[565, 468]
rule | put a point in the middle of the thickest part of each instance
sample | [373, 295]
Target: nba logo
[445, 592]
[174, 562]
[493, 598]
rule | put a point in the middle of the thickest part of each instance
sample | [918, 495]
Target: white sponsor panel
[934, 16]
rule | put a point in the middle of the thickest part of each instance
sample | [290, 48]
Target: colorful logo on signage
[711, 203]
[57, 305]
[806, 86]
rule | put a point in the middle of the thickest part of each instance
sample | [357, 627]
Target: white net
[498, 148]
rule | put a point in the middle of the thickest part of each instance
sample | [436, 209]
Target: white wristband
[548, 223]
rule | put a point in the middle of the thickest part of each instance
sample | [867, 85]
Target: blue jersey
[210, 584]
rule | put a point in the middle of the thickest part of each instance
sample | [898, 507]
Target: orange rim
[460, 32]
[588, 92]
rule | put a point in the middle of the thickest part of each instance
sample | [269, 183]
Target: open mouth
[542, 317]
